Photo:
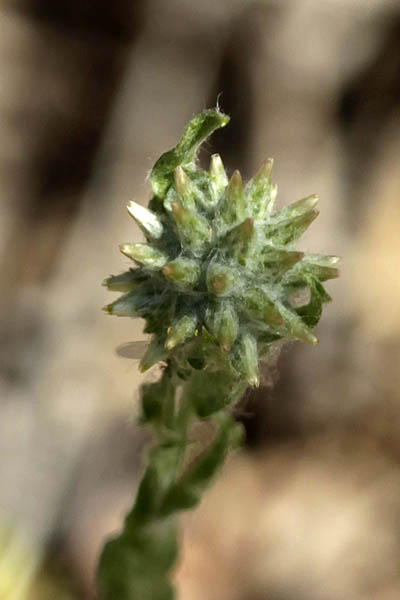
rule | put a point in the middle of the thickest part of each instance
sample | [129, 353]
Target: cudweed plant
[218, 282]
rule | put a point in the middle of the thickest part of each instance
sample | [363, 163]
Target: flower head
[219, 279]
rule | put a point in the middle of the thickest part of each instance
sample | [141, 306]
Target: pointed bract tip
[131, 206]
[216, 159]
[107, 309]
[180, 178]
[236, 179]
[254, 380]
[311, 339]
[125, 249]
[224, 119]
[266, 168]
[146, 219]
[135, 209]
[217, 168]
[169, 344]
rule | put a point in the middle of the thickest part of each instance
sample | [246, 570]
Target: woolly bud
[182, 271]
[237, 240]
[258, 190]
[321, 266]
[188, 192]
[296, 328]
[184, 188]
[322, 260]
[218, 177]
[278, 260]
[148, 221]
[125, 282]
[248, 359]
[286, 231]
[145, 255]
[221, 279]
[193, 228]
[223, 324]
[233, 204]
[180, 331]
[259, 306]
[133, 304]
[301, 207]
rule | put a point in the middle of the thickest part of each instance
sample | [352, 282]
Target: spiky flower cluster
[219, 280]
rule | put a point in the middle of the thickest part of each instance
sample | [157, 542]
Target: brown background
[90, 94]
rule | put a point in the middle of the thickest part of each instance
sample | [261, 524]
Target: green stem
[136, 565]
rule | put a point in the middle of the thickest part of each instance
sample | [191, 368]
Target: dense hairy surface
[219, 279]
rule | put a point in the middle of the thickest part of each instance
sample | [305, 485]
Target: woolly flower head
[218, 280]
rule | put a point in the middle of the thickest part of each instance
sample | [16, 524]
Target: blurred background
[91, 93]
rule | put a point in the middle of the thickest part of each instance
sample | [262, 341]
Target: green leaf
[136, 564]
[312, 311]
[203, 469]
[160, 474]
[195, 133]
[156, 542]
[187, 491]
[209, 391]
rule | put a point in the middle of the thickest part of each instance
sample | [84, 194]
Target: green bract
[217, 282]
[219, 270]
